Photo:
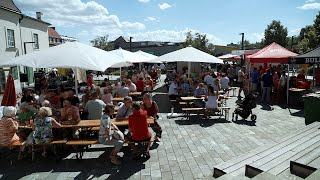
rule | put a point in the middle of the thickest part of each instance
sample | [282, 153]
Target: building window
[10, 38]
[36, 41]
[50, 39]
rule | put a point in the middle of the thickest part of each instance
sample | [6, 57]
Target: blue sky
[169, 20]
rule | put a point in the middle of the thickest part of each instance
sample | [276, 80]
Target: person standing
[267, 80]
[254, 79]
[240, 80]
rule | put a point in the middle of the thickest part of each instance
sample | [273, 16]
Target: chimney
[39, 14]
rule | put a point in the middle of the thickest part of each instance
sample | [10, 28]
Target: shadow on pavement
[202, 122]
[89, 168]
[299, 113]
[245, 122]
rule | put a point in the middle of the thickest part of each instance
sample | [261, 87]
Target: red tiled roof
[53, 33]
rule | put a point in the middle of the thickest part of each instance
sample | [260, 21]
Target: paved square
[189, 149]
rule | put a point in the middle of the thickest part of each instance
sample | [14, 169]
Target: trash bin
[311, 108]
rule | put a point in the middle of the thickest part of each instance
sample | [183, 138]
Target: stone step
[279, 157]
[264, 176]
[286, 164]
[286, 174]
[314, 176]
[237, 166]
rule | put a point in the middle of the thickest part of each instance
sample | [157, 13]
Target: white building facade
[19, 34]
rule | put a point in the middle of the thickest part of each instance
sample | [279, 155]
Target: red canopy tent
[9, 96]
[274, 53]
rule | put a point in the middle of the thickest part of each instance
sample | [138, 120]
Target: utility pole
[292, 42]
[131, 44]
[242, 48]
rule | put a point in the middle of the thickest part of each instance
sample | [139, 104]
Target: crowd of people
[47, 112]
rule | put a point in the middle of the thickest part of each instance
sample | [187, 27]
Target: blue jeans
[266, 94]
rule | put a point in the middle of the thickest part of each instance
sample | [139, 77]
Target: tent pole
[120, 75]
[76, 81]
[288, 84]
[189, 69]
[314, 73]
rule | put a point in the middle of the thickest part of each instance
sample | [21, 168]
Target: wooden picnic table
[118, 99]
[93, 123]
[191, 98]
[135, 94]
[296, 90]
[125, 122]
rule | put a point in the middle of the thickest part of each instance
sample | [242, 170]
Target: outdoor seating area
[98, 90]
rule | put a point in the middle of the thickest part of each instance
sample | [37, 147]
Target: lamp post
[131, 44]
[242, 48]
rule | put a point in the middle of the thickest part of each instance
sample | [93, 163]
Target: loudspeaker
[23, 77]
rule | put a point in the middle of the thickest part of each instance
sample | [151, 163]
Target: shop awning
[311, 57]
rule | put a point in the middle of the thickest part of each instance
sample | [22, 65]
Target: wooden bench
[189, 110]
[52, 144]
[79, 144]
[220, 109]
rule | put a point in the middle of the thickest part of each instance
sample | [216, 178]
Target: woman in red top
[152, 109]
[140, 85]
[138, 127]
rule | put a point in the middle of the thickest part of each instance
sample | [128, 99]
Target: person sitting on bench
[199, 92]
[105, 136]
[138, 128]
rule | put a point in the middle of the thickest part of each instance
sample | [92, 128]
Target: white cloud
[144, 1]
[171, 36]
[151, 19]
[310, 5]
[294, 31]
[164, 6]
[76, 13]
[254, 37]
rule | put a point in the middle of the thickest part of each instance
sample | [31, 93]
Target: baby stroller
[244, 108]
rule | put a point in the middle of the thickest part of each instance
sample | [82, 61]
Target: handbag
[118, 135]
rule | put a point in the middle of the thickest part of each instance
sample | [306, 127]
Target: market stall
[312, 100]
[274, 53]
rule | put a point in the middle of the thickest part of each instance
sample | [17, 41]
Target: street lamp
[242, 48]
[131, 44]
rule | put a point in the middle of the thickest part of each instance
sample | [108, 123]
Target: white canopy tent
[69, 55]
[228, 56]
[149, 56]
[188, 54]
[130, 56]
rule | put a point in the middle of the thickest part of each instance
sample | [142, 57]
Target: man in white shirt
[132, 87]
[240, 80]
[173, 90]
[224, 81]
[208, 79]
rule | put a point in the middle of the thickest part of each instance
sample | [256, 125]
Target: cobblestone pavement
[189, 149]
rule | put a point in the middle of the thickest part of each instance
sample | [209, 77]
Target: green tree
[102, 42]
[199, 41]
[276, 32]
[309, 37]
[248, 45]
